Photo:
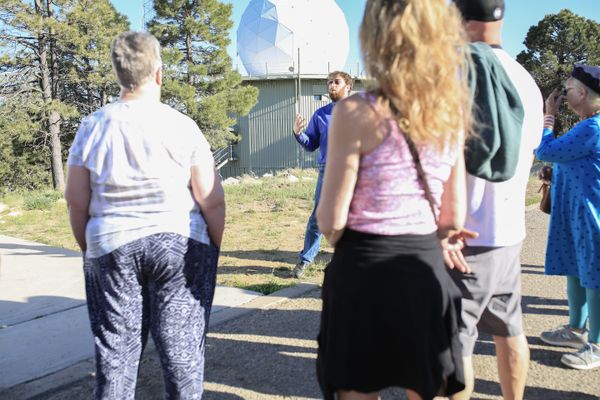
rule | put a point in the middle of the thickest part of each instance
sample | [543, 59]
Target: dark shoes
[300, 269]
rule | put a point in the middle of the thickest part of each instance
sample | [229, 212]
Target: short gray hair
[135, 58]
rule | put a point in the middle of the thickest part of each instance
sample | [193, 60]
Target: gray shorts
[491, 300]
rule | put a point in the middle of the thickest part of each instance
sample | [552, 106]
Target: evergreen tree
[198, 78]
[28, 29]
[554, 45]
[67, 45]
[23, 153]
[91, 26]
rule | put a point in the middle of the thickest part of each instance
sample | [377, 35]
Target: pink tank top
[388, 198]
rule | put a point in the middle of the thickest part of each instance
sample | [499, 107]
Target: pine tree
[91, 26]
[66, 43]
[28, 29]
[23, 153]
[554, 45]
[198, 78]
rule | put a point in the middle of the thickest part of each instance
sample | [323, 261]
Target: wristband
[549, 120]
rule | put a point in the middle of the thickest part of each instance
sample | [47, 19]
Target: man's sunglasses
[336, 81]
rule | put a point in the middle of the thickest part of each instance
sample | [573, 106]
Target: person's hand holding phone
[553, 101]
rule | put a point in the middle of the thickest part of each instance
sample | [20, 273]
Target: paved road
[270, 352]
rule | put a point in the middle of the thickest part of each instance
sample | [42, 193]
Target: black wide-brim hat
[589, 75]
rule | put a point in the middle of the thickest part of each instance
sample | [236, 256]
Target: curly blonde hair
[417, 53]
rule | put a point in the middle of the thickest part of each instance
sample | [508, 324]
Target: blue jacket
[315, 135]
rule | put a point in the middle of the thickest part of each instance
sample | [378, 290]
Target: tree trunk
[53, 66]
[188, 55]
[52, 117]
[58, 175]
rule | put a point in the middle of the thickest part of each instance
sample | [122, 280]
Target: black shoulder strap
[421, 176]
[421, 173]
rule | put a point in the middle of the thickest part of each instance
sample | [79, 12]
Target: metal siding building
[266, 139]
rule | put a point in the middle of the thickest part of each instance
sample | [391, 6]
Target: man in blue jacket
[339, 85]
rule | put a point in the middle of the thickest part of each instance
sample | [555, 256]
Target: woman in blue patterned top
[574, 233]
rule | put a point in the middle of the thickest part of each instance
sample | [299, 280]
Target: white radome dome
[271, 32]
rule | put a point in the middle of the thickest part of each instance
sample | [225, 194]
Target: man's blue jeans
[312, 236]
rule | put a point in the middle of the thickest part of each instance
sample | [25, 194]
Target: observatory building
[287, 47]
[266, 141]
[292, 36]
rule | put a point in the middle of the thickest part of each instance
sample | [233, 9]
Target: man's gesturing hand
[299, 124]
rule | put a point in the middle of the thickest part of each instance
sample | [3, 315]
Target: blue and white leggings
[162, 283]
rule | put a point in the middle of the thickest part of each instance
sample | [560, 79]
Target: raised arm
[310, 138]
[581, 141]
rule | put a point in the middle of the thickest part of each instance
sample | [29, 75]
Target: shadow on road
[544, 306]
[483, 387]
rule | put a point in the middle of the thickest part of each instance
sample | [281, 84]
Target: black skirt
[390, 317]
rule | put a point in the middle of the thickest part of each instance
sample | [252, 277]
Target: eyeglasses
[336, 81]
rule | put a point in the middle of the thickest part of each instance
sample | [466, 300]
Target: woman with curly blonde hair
[393, 197]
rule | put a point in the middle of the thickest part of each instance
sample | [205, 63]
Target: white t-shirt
[139, 154]
[497, 210]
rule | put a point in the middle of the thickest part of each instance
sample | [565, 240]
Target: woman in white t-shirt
[147, 208]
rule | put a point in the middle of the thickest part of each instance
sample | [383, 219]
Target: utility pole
[147, 12]
[298, 111]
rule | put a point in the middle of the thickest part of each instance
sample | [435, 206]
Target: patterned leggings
[163, 283]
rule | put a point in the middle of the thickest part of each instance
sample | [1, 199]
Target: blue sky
[520, 15]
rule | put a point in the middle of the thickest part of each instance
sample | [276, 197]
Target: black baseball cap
[481, 10]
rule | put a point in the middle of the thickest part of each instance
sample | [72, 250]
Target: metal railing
[223, 155]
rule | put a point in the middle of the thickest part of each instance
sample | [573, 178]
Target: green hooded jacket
[493, 153]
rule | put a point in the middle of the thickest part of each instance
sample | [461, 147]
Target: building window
[318, 97]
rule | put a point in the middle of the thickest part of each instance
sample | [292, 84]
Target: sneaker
[300, 269]
[587, 357]
[565, 336]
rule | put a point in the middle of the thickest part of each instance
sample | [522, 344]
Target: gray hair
[135, 58]
[591, 96]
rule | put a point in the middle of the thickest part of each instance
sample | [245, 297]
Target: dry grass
[265, 232]
[266, 219]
